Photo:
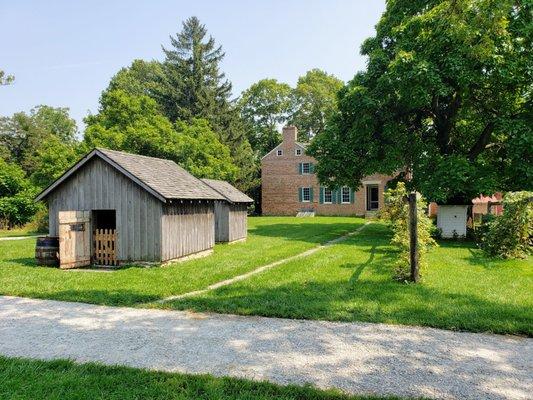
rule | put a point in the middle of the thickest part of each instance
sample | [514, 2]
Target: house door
[74, 239]
[372, 197]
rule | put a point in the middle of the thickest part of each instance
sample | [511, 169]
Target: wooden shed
[231, 214]
[114, 207]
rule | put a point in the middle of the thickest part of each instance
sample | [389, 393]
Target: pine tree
[194, 85]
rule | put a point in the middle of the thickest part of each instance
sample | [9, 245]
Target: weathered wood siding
[99, 186]
[222, 221]
[238, 221]
[187, 228]
[231, 221]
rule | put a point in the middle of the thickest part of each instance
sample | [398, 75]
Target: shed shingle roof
[230, 192]
[163, 178]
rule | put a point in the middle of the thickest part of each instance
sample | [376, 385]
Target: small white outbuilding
[451, 219]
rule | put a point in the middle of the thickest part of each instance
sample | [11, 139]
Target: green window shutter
[339, 195]
[300, 168]
[311, 168]
[334, 196]
[311, 194]
[352, 196]
[321, 195]
[300, 195]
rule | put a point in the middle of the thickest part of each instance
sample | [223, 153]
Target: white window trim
[303, 195]
[308, 168]
[342, 195]
[324, 196]
[296, 152]
[279, 152]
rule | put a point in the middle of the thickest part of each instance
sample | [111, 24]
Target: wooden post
[413, 237]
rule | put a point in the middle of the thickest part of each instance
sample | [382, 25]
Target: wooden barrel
[47, 250]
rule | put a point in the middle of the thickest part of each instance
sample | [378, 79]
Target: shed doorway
[104, 237]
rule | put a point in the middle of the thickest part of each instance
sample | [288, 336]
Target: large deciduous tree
[43, 142]
[315, 100]
[264, 106]
[134, 124]
[446, 98]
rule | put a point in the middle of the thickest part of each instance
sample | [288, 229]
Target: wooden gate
[74, 239]
[105, 246]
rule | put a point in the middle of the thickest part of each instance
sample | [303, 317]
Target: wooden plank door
[74, 239]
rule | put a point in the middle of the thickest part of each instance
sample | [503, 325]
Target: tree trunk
[413, 237]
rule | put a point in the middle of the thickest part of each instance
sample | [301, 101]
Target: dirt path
[354, 357]
[263, 268]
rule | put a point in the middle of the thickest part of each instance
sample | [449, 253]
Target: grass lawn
[351, 281]
[24, 231]
[270, 239]
[28, 379]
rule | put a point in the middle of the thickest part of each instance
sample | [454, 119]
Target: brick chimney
[290, 134]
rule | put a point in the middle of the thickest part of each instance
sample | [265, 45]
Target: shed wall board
[238, 221]
[99, 186]
[187, 227]
[222, 213]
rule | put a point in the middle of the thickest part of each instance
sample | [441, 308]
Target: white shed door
[452, 219]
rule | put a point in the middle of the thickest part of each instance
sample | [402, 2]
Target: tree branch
[481, 142]
[444, 121]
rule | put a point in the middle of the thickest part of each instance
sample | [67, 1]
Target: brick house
[289, 185]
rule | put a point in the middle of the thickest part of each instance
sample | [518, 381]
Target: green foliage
[396, 213]
[12, 179]
[52, 159]
[133, 124]
[5, 79]
[42, 142]
[194, 85]
[315, 99]
[140, 78]
[264, 106]
[17, 205]
[510, 235]
[39, 222]
[446, 93]
[187, 86]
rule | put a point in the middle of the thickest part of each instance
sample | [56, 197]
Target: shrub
[39, 223]
[396, 213]
[17, 210]
[510, 235]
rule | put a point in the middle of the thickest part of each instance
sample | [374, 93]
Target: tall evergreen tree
[194, 85]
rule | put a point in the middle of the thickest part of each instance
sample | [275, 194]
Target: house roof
[163, 178]
[230, 192]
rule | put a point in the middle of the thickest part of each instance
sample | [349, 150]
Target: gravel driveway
[354, 357]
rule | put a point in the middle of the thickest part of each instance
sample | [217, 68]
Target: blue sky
[63, 53]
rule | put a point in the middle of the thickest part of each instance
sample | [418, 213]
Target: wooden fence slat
[104, 246]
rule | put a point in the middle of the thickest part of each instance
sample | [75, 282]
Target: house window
[298, 152]
[306, 168]
[306, 194]
[345, 195]
[328, 198]
[279, 152]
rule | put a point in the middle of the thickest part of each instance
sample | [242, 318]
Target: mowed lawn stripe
[263, 268]
[461, 289]
[270, 239]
